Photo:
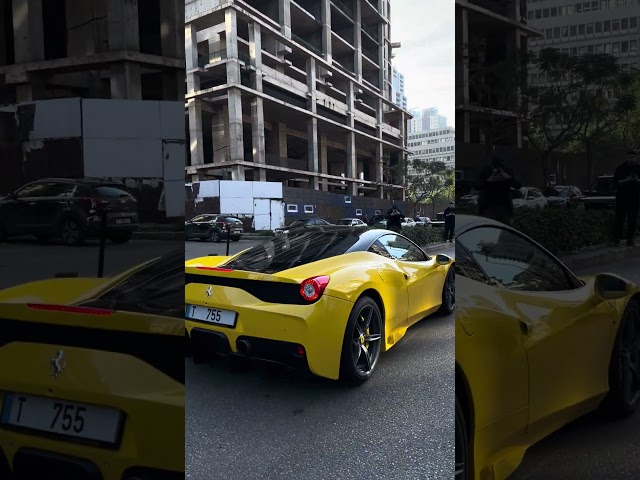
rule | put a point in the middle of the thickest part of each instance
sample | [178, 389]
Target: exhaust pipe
[243, 347]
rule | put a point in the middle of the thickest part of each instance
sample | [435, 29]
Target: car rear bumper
[274, 331]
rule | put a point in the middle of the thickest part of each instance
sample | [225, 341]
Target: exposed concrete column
[324, 162]
[255, 54]
[379, 168]
[236, 140]
[352, 154]
[357, 40]
[219, 133]
[124, 35]
[312, 124]
[257, 132]
[382, 58]
[231, 40]
[191, 57]
[379, 117]
[195, 132]
[284, 15]
[173, 46]
[325, 8]
[28, 31]
[283, 148]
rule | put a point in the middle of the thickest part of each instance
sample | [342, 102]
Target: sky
[426, 29]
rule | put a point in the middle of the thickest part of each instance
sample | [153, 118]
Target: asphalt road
[591, 448]
[27, 260]
[262, 422]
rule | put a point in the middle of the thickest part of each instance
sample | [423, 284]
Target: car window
[203, 218]
[467, 267]
[515, 263]
[46, 189]
[402, 249]
[517, 194]
[105, 191]
[379, 249]
[533, 193]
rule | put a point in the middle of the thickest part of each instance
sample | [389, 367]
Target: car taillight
[215, 269]
[312, 288]
[70, 309]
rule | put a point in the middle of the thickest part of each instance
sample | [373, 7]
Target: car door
[48, 209]
[566, 332]
[424, 277]
[20, 212]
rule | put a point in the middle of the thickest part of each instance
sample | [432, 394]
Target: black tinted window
[514, 263]
[204, 218]
[105, 191]
[291, 251]
[46, 189]
[402, 249]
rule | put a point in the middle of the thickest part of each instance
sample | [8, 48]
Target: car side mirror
[443, 259]
[610, 287]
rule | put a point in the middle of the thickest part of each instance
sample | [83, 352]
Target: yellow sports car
[536, 347]
[92, 376]
[327, 299]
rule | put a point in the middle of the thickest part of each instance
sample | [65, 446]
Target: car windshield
[517, 194]
[289, 251]
[232, 220]
[345, 221]
[440, 217]
[297, 223]
[554, 192]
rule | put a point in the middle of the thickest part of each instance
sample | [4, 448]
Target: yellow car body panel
[150, 396]
[408, 292]
[531, 363]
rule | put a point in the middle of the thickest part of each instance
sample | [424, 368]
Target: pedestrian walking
[627, 181]
[495, 185]
[394, 219]
[449, 222]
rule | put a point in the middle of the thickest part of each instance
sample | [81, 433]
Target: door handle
[32, 204]
[524, 327]
[406, 276]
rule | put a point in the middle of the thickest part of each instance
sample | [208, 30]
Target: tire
[120, 237]
[624, 370]
[215, 236]
[462, 454]
[71, 232]
[449, 292]
[362, 342]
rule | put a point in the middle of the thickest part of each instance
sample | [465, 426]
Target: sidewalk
[162, 231]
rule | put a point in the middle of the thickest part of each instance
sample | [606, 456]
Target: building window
[586, 7]
[595, 5]
[607, 25]
[581, 29]
[624, 47]
[347, 199]
[616, 47]
[308, 209]
[598, 26]
[599, 48]
[292, 208]
[624, 23]
[615, 25]
[590, 48]
[565, 32]
[554, 11]
[574, 30]
[358, 212]
[633, 22]
[633, 46]
[578, 7]
[556, 32]
[589, 28]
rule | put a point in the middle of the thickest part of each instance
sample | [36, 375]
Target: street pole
[103, 241]
[228, 237]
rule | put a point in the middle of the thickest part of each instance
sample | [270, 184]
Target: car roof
[86, 181]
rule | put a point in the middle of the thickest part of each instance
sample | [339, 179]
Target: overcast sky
[426, 29]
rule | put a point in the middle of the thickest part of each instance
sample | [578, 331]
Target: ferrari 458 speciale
[536, 347]
[327, 299]
[92, 376]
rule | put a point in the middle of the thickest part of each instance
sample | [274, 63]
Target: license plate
[215, 316]
[237, 231]
[62, 417]
[120, 221]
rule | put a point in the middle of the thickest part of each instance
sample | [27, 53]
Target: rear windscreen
[109, 192]
[283, 253]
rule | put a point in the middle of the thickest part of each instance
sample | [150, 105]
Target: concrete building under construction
[297, 92]
[101, 49]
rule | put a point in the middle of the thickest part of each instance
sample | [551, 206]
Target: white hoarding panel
[262, 222]
[173, 160]
[58, 118]
[209, 189]
[277, 214]
[172, 121]
[123, 158]
[231, 189]
[267, 190]
[236, 206]
[174, 198]
[261, 206]
[114, 119]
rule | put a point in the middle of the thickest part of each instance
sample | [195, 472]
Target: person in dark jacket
[394, 219]
[627, 181]
[449, 222]
[495, 184]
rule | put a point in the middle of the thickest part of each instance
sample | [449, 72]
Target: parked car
[528, 197]
[601, 193]
[438, 221]
[563, 196]
[470, 200]
[302, 223]
[422, 221]
[352, 222]
[408, 222]
[214, 227]
[377, 219]
[69, 209]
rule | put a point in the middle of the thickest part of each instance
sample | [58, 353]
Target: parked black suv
[69, 209]
[214, 227]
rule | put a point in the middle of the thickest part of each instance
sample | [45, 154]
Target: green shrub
[424, 235]
[565, 231]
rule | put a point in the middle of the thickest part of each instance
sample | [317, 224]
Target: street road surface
[251, 422]
[591, 448]
[28, 260]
